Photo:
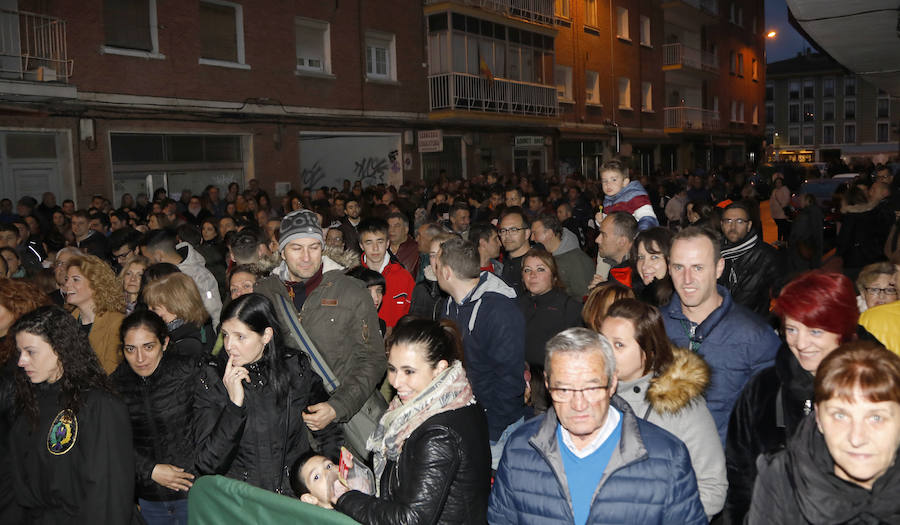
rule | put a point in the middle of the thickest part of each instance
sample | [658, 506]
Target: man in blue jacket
[734, 342]
[589, 459]
[493, 332]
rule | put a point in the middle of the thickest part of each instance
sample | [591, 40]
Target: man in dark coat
[805, 245]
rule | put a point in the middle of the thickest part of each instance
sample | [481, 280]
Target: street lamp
[771, 34]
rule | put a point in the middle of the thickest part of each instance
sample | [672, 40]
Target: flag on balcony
[483, 68]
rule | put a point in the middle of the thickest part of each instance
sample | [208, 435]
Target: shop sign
[529, 141]
[430, 141]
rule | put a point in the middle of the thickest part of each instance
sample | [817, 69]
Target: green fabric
[215, 500]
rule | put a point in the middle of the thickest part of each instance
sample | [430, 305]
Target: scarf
[448, 391]
[731, 253]
[300, 290]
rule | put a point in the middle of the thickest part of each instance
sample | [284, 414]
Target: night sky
[788, 42]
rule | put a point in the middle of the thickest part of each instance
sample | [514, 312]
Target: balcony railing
[33, 47]
[537, 11]
[682, 55]
[462, 91]
[693, 119]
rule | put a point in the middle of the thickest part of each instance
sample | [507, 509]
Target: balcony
[465, 92]
[680, 56]
[706, 10]
[33, 47]
[683, 119]
[534, 11]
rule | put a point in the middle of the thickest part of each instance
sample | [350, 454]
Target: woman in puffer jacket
[431, 453]
[664, 385]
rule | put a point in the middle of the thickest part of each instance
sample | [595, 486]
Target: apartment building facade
[818, 111]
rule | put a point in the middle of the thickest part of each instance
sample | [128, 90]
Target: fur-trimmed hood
[683, 381]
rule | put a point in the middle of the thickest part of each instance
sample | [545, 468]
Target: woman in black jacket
[818, 313]
[840, 466]
[176, 299]
[431, 452]
[157, 385]
[247, 408]
[548, 310]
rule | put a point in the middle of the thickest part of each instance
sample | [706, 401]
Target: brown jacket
[104, 338]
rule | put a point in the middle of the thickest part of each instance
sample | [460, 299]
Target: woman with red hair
[818, 313]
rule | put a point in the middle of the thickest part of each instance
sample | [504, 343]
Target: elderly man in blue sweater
[590, 459]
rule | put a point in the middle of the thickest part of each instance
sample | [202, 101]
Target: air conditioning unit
[41, 74]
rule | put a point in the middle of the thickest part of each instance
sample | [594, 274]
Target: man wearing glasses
[753, 268]
[514, 232]
[590, 459]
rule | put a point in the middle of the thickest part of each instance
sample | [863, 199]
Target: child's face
[612, 182]
[319, 474]
[377, 295]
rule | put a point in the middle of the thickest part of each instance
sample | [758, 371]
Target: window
[770, 92]
[794, 136]
[646, 96]
[221, 28]
[794, 112]
[740, 64]
[849, 86]
[883, 108]
[590, 13]
[753, 26]
[808, 112]
[849, 133]
[754, 117]
[794, 89]
[828, 134]
[828, 87]
[563, 76]
[734, 111]
[809, 88]
[732, 62]
[809, 135]
[731, 15]
[624, 93]
[622, 23]
[715, 106]
[592, 87]
[882, 132]
[129, 28]
[828, 110]
[313, 45]
[849, 110]
[754, 70]
[645, 31]
[770, 114]
[740, 16]
[381, 56]
[562, 8]
[740, 110]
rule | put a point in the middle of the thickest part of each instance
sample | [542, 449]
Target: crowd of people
[503, 349]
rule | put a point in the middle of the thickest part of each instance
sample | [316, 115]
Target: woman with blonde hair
[599, 301]
[99, 303]
[876, 285]
[176, 299]
[130, 277]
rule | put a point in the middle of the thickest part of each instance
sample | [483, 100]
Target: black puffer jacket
[189, 340]
[545, 316]
[752, 277]
[258, 441]
[757, 426]
[160, 408]
[443, 475]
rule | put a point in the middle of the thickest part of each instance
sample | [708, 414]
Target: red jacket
[397, 293]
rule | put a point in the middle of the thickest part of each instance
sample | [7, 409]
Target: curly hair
[19, 298]
[108, 294]
[81, 367]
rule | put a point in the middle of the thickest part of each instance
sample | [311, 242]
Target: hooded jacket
[798, 486]
[753, 269]
[768, 412]
[194, 266]
[648, 480]
[575, 268]
[493, 333]
[632, 199]
[673, 401]
[734, 342]
[398, 289]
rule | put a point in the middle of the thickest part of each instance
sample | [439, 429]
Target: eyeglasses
[882, 291]
[564, 395]
[507, 231]
[739, 222]
[121, 256]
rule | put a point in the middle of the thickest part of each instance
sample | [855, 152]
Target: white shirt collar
[612, 419]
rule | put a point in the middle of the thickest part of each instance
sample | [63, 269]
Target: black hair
[257, 312]
[298, 484]
[144, 319]
[481, 231]
[372, 225]
[102, 217]
[245, 244]
[190, 234]
[123, 237]
[368, 276]
[440, 339]
[516, 210]
[551, 222]
[81, 370]
[160, 240]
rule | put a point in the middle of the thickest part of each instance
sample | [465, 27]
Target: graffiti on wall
[326, 160]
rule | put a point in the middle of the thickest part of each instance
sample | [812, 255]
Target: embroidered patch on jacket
[63, 432]
[329, 302]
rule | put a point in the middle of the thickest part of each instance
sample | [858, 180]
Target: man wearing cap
[329, 315]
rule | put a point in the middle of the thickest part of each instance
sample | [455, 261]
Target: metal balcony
[678, 56]
[33, 47]
[465, 92]
[683, 119]
[535, 11]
